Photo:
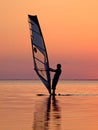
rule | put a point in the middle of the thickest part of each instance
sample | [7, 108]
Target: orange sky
[70, 27]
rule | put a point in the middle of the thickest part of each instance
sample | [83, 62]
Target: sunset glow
[70, 30]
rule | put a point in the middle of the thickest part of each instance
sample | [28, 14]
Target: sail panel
[38, 41]
[41, 63]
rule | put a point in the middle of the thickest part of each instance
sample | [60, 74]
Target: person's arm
[53, 70]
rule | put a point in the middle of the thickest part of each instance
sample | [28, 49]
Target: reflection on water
[56, 113]
[21, 109]
[47, 114]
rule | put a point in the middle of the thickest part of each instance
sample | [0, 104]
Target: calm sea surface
[22, 109]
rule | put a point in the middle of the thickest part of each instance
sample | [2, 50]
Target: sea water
[22, 109]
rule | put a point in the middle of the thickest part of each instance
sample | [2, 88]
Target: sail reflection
[56, 114]
[47, 114]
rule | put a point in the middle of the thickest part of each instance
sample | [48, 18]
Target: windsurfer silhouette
[56, 77]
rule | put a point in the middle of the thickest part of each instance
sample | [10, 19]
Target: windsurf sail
[40, 57]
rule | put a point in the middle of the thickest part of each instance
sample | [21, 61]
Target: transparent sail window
[41, 69]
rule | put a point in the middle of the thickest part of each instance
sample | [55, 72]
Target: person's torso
[57, 74]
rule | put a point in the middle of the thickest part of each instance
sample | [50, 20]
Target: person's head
[58, 66]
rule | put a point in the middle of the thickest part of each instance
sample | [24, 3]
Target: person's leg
[53, 92]
[54, 86]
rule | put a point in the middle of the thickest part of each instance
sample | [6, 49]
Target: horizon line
[51, 79]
